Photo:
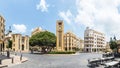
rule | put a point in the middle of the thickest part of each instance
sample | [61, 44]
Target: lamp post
[1, 42]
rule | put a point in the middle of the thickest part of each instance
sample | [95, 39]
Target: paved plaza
[57, 61]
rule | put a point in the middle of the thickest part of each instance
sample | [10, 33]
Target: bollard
[8, 54]
[0, 61]
[21, 57]
[12, 60]
[31, 51]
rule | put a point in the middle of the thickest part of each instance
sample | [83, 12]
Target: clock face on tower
[60, 28]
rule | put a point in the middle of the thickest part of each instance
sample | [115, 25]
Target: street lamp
[1, 42]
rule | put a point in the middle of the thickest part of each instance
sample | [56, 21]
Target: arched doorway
[87, 50]
[22, 47]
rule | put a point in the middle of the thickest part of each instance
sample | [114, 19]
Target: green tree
[9, 43]
[46, 40]
[113, 43]
[114, 38]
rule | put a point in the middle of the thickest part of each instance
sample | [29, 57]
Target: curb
[4, 65]
[24, 61]
[17, 63]
[1, 66]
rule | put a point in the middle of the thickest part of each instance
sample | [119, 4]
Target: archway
[22, 47]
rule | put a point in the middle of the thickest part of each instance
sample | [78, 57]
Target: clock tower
[60, 35]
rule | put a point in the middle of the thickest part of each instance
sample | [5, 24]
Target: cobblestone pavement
[57, 61]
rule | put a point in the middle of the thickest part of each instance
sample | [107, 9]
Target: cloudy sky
[25, 15]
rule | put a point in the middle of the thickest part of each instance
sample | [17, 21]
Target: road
[57, 61]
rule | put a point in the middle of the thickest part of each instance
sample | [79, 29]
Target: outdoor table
[110, 58]
[117, 59]
[106, 58]
[111, 64]
[94, 62]
[102, 60]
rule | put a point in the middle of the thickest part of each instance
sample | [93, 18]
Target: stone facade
[81, 44]
[25, 44]
[20, 43]
[72, 42]
[94, 41]
[2, 32]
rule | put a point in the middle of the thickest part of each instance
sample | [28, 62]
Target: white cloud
[19, 28]
[43, 6]
[67, 16]
[102, 15]
[32, 29]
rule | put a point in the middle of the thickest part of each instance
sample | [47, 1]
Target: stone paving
[13, 60]
[57, 61]
[3, 57]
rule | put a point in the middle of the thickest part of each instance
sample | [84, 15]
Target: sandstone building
[71, 42]
[2, 32]
[20, 43]
[36, 30]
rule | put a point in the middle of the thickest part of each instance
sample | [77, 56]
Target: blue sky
[25, 15]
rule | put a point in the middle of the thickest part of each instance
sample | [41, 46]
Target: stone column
[71, 43]
[91, 49]
[67, 43]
